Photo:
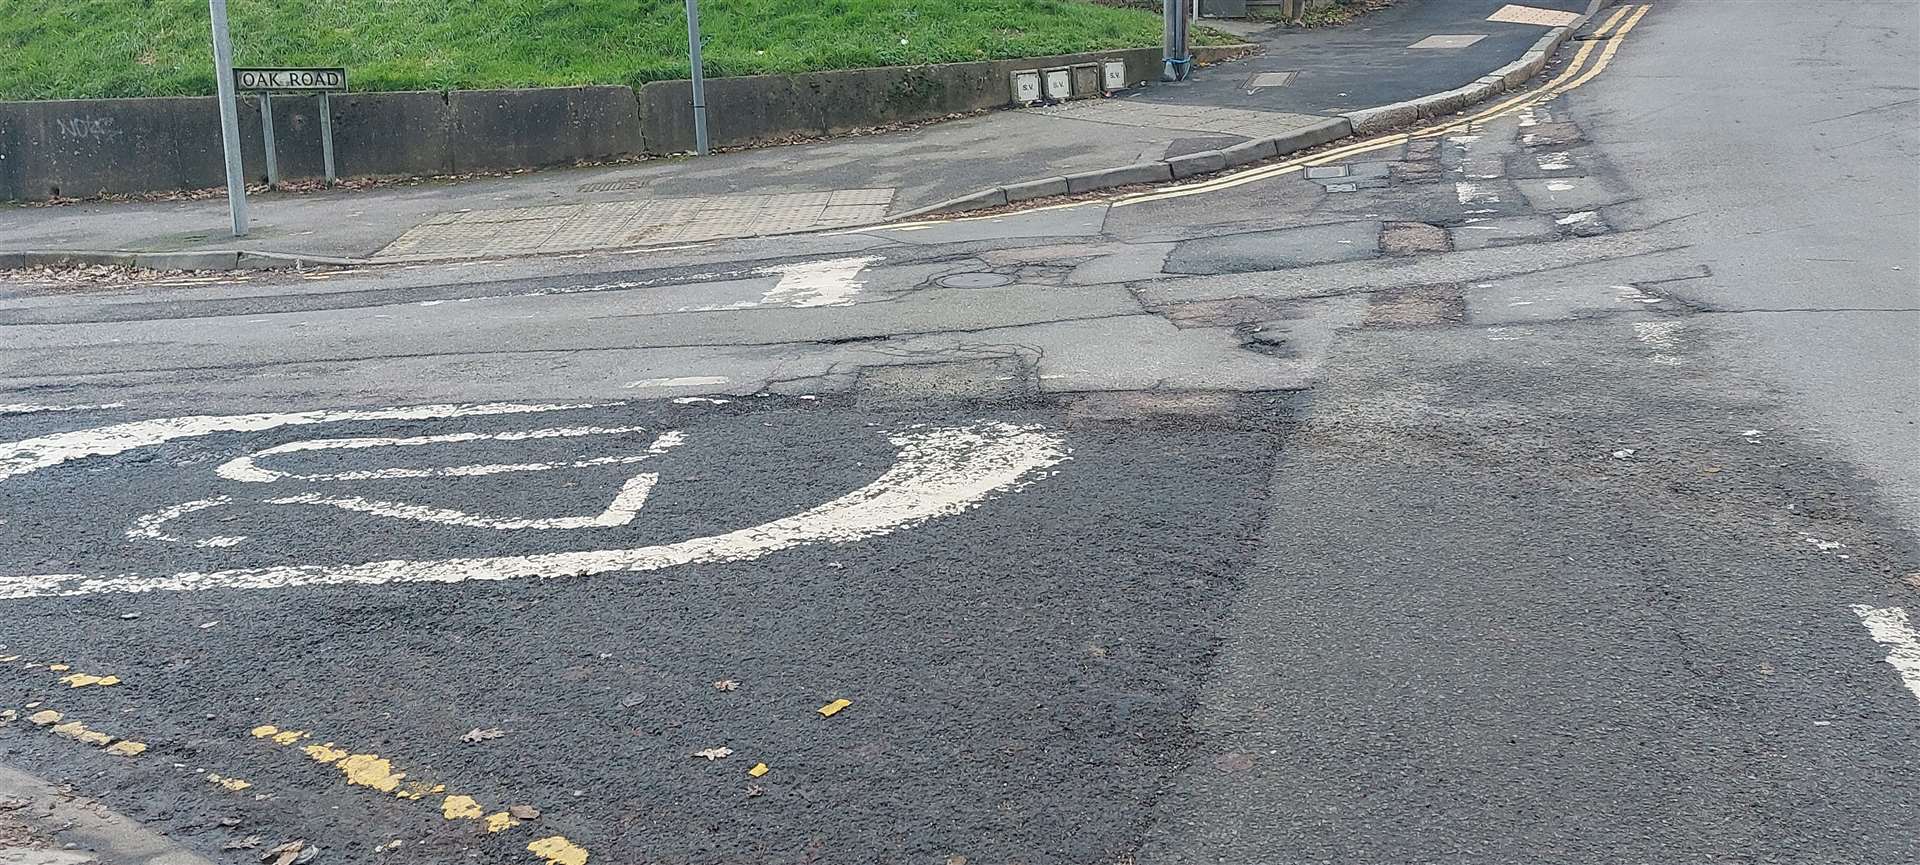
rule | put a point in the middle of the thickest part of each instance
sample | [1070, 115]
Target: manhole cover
[974, 280]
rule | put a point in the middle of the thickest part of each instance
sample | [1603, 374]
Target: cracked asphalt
[1539, 491]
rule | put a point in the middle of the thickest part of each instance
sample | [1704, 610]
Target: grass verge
[73, 49]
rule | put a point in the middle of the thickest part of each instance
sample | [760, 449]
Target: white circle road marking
[938, 472]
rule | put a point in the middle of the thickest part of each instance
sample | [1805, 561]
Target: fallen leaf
[247, 843]
[285, 853]
[630, 701]
[523, 812]
[758, 770]
[1711, 470]
[1623, 453]
[833, 708]
[726, 685]
[479, 735]
[720, 753]
[755, 790]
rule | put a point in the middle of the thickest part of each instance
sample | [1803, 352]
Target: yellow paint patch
[460, 808]
[324, 753]
[558, 851]
[58, 668]
[288, 737]
[370, 770]
[82, 680]
[758, 770]
[833, 708]
[44, 718]
[231, 784]
[263, 731]
[125, 748]
[419, 789]
[78, 732]
[501, 822]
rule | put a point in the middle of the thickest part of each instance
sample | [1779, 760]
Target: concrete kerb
[1353, 123]
[81, 824]
[213, 259]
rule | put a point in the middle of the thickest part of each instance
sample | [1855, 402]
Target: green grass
[63, 49]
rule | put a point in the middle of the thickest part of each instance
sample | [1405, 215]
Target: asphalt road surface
[1538, 487]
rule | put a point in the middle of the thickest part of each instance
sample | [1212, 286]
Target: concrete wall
[762, 109]
[84, 148]
[87, 147]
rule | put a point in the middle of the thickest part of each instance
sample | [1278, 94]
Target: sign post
[699, 78]
[266, 82]
[229, 118]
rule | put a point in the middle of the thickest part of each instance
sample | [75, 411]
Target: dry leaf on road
[720, 753]
[523, 812]
[479, 735]
[726, 685]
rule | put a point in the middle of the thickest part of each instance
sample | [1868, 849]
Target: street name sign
[299, 80]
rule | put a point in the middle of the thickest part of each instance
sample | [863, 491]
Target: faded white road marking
[246, 468]
[8, 408]
[832, 282]
[1662, 337]
[1632, 293]
[938, 472]
[1575, 218]
[1558, 160]
[27, 455]
[625, 506]
[695, 400]
[817, 283]
[1472, 193]
[1890, 628]
[147, 527]
[683, 381]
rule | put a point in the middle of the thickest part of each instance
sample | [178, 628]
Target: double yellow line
[1578, 72]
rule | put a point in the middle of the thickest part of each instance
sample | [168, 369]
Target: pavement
[1433, 498]
[841, 182]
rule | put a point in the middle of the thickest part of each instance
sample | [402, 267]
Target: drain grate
[624, 183]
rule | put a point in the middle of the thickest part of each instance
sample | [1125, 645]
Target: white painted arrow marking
[938, 472]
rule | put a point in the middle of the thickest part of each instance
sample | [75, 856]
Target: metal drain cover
[974, 280]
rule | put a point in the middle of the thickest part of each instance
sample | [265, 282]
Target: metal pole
[229, 118]
[1174, 47]
[699, 78]
[326, 136]
[266, 135]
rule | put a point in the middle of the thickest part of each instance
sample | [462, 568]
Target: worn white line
[247, 470]
[147, 527]
[683, 381]
[625, 506]
[938, 472]
[1890, 627]
[12, 408]
[27, 455]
